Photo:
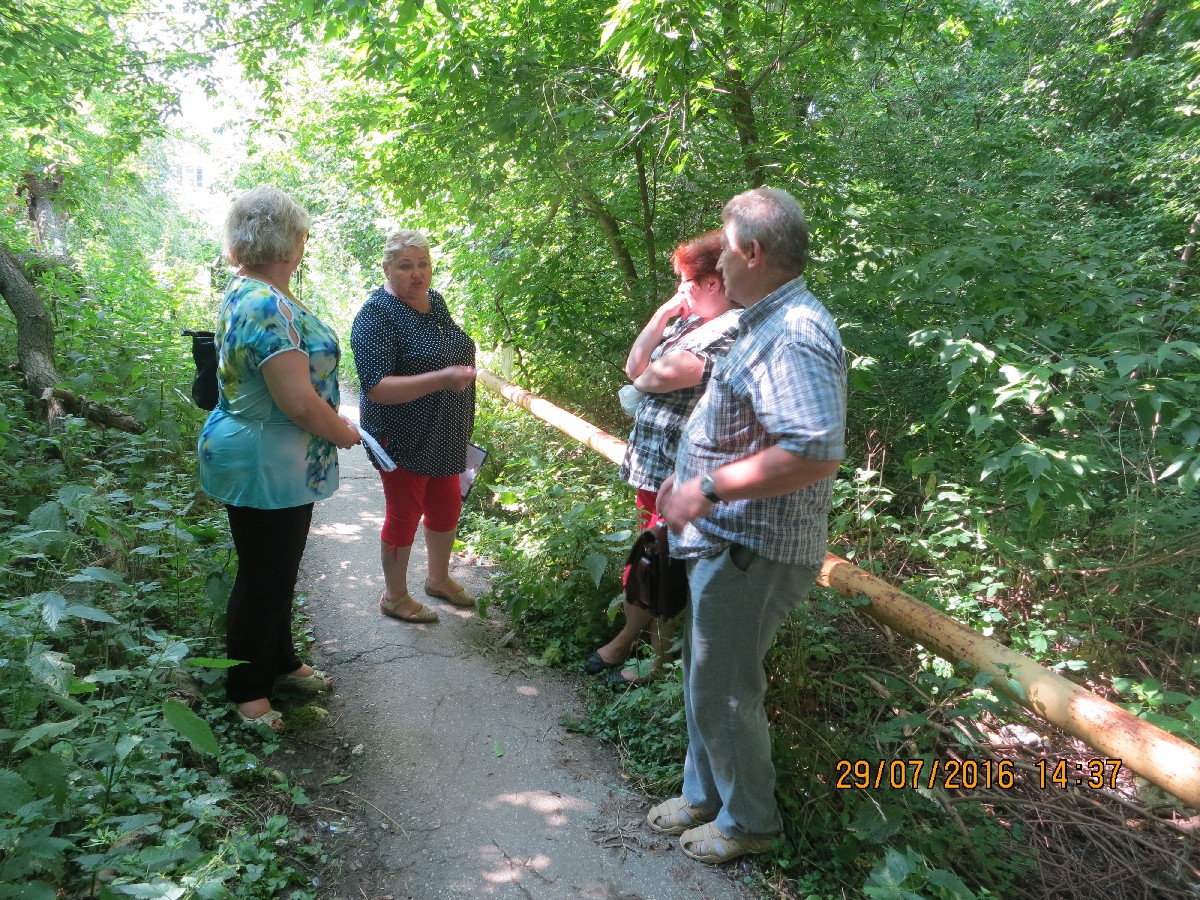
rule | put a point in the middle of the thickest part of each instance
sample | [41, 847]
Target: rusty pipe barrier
[1161, 758]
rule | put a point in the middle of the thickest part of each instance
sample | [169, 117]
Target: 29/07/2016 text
[973, 774]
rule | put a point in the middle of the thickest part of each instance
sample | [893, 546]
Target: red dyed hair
[697, 259]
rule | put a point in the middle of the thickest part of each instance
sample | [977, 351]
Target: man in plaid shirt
[748, 507]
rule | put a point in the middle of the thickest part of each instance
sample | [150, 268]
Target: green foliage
[81, 86]
[544, 518]
[648, 725]
[123, 774]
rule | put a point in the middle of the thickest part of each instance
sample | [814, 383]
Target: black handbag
[653, 580]
[204, 352]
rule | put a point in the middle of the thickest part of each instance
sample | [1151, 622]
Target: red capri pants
[408, 496]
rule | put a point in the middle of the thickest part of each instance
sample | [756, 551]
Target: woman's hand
[678, 305]
[673, 371]
[651, 334]
[355, 438]
[407, 388]
[458, 377]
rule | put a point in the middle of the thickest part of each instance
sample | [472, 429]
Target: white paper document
[385, 461]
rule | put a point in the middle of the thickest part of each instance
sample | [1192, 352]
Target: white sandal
[316, 682]
[272, 719]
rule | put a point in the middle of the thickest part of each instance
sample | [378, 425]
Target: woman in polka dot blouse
[416, 369]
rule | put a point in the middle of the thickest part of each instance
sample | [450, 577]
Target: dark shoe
[596, 664]
[618, 680]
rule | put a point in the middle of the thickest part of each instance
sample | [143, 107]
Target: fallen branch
[58, 401]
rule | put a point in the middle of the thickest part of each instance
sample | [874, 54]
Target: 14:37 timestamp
[1085, 773]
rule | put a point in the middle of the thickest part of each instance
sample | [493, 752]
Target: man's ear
[753, 254]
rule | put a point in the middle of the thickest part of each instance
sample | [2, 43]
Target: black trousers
[258, 628]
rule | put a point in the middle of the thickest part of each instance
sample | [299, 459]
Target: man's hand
[682, 503]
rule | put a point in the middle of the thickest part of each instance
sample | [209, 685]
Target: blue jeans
[738, 602]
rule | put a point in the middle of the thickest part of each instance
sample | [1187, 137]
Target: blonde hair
[399, 241]
[264, 225]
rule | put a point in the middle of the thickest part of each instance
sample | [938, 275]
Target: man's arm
[768, 473]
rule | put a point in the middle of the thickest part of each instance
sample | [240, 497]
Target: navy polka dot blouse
[428, 435]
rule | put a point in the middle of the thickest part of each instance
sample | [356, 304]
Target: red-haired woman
[669, 363]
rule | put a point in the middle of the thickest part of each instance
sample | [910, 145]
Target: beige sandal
[452, 592]
[675, 816]
[708, 844]
[316, 682]
[391, 608]
[272, 719]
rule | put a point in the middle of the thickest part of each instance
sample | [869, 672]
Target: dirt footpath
[443, 769]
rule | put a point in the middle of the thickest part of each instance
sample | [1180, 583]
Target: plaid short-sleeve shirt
[658, 423]
[783, 383]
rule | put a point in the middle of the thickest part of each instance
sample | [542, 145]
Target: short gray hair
[399, 241]
[775, 219]
[264, 226]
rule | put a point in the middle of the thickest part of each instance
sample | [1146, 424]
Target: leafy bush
[124, 775]
[548, 523]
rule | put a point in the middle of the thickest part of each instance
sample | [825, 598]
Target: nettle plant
[122, 774]
[559, 523]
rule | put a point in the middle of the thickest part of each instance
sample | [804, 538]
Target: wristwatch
[708, 489]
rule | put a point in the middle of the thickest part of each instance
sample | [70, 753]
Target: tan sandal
[272, 719]
[452, 592]
[708, 844]
[316, 682]
[391, 608]
[675, 816]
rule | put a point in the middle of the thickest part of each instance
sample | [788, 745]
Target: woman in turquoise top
[269, 449]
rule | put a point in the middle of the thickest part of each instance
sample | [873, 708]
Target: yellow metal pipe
[611, 448]
[1158, 756]
[1161, 758]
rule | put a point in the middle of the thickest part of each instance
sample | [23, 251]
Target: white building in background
[210, 146]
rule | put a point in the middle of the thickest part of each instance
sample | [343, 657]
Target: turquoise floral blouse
[251, 454]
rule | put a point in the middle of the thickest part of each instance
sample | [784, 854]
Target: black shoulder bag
[204, 352]
[653, 580]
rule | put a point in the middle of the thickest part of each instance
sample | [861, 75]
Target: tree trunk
[1186, 256]
[1189, 248]
[741, 100]
[745, 126]
[35, 353]
[612, 236]
[40, 190]
[35, 329]
[647, 222]
[1143, 32]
